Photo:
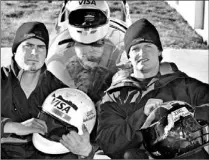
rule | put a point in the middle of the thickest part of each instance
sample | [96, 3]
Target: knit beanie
[31, 30]
[141, 31]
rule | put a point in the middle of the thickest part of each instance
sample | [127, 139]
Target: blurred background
[176, 30]
[182, 25]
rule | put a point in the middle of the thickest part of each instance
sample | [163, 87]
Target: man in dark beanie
[18, 82]
[142, 31]
[135, 93]
[25, 84]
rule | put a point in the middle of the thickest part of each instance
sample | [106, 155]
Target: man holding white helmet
[20, 83]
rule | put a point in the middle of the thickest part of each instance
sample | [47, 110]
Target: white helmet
[88, 20]
[64, 110]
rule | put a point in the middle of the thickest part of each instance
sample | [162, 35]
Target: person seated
[138, 90]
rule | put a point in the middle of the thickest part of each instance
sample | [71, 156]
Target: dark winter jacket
[121, 112]
[16, 107]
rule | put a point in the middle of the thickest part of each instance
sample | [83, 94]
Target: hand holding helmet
[21, 130]
[78, 144]
[27, 127]
[151, 105]
[36, 123]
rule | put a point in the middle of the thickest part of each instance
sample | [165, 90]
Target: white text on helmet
[87, 2]
[180, 112]
[62, 104]
[89, 115]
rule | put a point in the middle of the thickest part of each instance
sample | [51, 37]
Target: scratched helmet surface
[64, 110]
[88, 20]
[171, 131]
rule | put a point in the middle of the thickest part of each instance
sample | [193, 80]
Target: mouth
[143, 60]
[32, 60]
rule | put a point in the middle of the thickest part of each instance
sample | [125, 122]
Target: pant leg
[61, 156]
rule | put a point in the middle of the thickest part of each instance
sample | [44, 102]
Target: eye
[42, 47]
[147, 48]
[28, 46]
[136, 49]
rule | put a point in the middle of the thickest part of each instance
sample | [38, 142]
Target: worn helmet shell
[64, 110]
[174, 132]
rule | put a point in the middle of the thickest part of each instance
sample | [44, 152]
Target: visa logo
[87, 2]
[62, 104]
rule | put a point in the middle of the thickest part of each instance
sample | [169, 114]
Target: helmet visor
[56, 128]
[87, 18]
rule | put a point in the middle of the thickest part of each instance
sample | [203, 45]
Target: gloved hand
[151, 105]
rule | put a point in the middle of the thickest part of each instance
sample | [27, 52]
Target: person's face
[144, 56]
[89, 55]
[30, 54]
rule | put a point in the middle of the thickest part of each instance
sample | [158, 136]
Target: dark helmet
[171, 131]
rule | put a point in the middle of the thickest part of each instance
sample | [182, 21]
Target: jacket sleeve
[118, 129]
[3, 122]
[199, 95]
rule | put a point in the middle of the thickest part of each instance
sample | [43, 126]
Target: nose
[139, 53]
[33, 52]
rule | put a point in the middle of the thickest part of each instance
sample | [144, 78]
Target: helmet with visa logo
[171, 131]
[64, 110]
[88, 20]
